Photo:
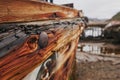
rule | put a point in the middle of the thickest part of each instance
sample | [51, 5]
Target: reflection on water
[92, 33]
[99, 48]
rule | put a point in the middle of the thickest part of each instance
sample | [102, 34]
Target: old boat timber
[38, 40]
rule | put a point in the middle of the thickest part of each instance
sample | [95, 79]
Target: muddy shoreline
[97, 66]
[100, 70]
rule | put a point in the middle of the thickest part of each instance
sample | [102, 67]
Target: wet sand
[97, 66]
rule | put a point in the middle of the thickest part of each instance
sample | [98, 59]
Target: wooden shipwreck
[38, 40]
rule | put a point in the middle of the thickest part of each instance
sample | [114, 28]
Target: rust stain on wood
[23, 10]
[21, 61]
[39, 46]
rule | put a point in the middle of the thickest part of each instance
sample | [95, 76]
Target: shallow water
[99, 48]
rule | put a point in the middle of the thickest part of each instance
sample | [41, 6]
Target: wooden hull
[23, 59]
[38, 50]
[32, 11]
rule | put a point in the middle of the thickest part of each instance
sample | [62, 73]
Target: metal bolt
[43, 40]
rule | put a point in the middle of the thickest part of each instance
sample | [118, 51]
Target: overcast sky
[95, 8]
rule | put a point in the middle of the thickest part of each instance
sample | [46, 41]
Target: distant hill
[96, 20]
[116, 16]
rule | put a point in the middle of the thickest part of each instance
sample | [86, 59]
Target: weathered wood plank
[27, 57]
[32, 11]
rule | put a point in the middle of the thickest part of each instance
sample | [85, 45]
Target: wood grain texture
[25, 10]
[21, 61]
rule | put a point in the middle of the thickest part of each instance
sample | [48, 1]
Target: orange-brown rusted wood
[64, 71]
[22, 60]
[26, 10]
